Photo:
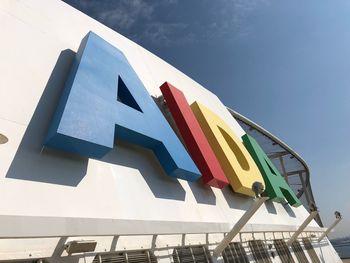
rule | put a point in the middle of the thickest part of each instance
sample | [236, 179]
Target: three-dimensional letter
[104, 99]
[276, 187]
[193, 136]
[235, 160]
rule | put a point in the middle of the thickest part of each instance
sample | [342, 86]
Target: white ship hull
[124, 201]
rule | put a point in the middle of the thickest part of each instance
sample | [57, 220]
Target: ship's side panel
[51, 194]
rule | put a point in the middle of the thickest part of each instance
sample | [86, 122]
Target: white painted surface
[38, 41]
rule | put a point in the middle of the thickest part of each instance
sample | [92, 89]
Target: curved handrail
[285, 147]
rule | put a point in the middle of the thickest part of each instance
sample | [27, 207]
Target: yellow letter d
[236, 162]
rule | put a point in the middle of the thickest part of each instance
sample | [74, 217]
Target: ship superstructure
[66, 198]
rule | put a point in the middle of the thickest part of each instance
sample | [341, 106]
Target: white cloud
[143, 20]
[125, 13]
[163, 33]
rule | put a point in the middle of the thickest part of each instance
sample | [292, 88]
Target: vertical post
[148, 256]
[302, 227]
[283, 168]
[193, 257]
[306, 190]
[338, 218]
[177, 255]
[239, 225]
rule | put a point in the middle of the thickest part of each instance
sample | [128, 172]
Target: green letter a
[276, 187]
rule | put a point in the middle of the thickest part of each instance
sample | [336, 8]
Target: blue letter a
[104, 99]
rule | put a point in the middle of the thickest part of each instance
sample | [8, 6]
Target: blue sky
[283, 64]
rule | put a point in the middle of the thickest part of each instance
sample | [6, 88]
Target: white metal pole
[239, 225]
[302, 227]
[337, 220]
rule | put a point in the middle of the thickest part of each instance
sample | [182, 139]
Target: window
[283, 251]
[310, 250]
[259, 251]
[192, 254]
[235, 253]
[144, 256]
[298, 251]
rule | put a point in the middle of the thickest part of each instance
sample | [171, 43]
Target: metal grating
[259, 251]
[298, 251]
[283, 251]
[310, 250]
[235, 253]
[145, 256]
[192, 254]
